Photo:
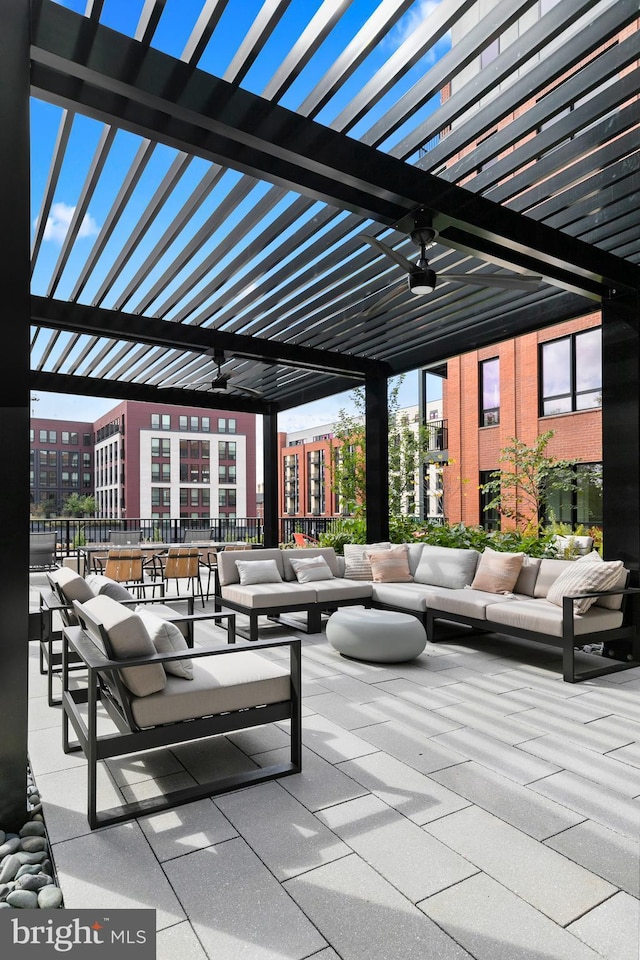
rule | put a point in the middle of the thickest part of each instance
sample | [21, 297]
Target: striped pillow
[357, 565]
[583, 578]
[390, 566]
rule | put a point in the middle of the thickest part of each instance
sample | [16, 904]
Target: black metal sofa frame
[130, 738]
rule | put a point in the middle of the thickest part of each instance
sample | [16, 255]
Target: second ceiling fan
[423, 279]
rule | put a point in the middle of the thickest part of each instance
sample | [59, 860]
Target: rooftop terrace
[467, 804]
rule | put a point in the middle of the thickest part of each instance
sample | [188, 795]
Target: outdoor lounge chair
[231, 689]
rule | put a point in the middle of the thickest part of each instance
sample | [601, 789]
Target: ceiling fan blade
[493, 280]
[249, 390]
[402, 261]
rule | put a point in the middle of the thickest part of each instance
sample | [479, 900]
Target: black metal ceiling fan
[217, 383]
[422, 279]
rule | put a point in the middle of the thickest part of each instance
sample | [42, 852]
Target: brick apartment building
[150, 461]
[547, 380]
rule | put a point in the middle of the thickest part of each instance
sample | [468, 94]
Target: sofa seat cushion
[336, 589]
[229, 682]
[464, 602]
[541, 616]
[446, 566]
[269, 595]
[406, 596]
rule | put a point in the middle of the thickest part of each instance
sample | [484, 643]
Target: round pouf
[381, 636]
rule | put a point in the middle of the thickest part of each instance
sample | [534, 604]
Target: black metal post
[271, 466]
[621, 430]
[14, 409]
[377, 458]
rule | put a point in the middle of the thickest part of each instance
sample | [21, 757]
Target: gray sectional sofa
[435, 584]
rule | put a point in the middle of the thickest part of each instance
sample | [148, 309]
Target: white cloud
[413, 20]
[59, 220]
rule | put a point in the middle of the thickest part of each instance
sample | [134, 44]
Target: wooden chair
[180, 563]
[236, 691]
[126, 566]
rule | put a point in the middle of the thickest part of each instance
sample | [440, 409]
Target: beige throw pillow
[357, 565]
[390, 566]
[497, 572]
[583, 578]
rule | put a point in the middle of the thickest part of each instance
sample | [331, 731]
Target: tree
[77, 505]
[522, 489]
[407, 451]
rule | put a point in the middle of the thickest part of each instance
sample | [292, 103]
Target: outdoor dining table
[89, 551]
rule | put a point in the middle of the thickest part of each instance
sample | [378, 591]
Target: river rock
[49, 898]
[34, 828]
[23, 899]
[34, 844]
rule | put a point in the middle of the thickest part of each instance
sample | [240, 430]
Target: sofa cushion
[128, 638]
[497, 572]
[226, 560]
[550, 570]
[308, 569]
[167, 638]
[220, 684]
[305, 553]
[464, 602]
[357, 565]
[613, 602]
[542, 616]
[339, 589]
[71, 585]
[390, 566]
[101, 585]
[258, 571]
[582, 578]
[446, 566]
[270, 595]
[526, 582]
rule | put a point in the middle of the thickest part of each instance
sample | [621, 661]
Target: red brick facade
[474, 448]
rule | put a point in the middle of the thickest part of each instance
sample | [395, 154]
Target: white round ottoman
[381, 636]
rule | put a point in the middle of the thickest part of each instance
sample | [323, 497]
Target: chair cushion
[446, 566]
[167, 638]
[357, 565]
[101, 585]
[497, 572]
[71, 584]
[258, 571]
[128, 637]
[583, 577]
[390, 566]
[227, 682]
[311, 568]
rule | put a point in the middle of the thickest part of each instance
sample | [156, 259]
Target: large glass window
[489, 392]
[571, 373]
[489, 519]
[583, 504]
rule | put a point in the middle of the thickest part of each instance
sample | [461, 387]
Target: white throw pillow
[609, 603]
[308, 569]
[357, 565]
[258, 571]
[167, 638]
[105, 586]
[583, 578]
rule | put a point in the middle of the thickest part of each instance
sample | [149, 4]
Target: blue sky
[171, 36]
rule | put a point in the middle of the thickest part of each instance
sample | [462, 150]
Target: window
[226, 450]
[583, 505]
[489, 519]
[489, 392]
[86, 439]
[206, 424]
[226, 497]
[160, 421]
[183, 423]
[571, 373]
[204, 447]
[227, 425]
[160, 448]
[195, 423]
[227, 473]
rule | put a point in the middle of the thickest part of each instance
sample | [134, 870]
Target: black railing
[437, 435]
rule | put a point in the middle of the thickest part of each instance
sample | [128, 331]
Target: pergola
[235, 183]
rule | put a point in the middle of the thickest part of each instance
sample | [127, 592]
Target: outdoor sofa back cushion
[227, 570]
[390, 566]
[526, 582]
[446, 566]
[101, 585]
[71, 584]
[258, 571]
[128, 638]
[327, 553]
[166, 638]
[357, 565]
[581, 578]
[497, 572]
[308, 569]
